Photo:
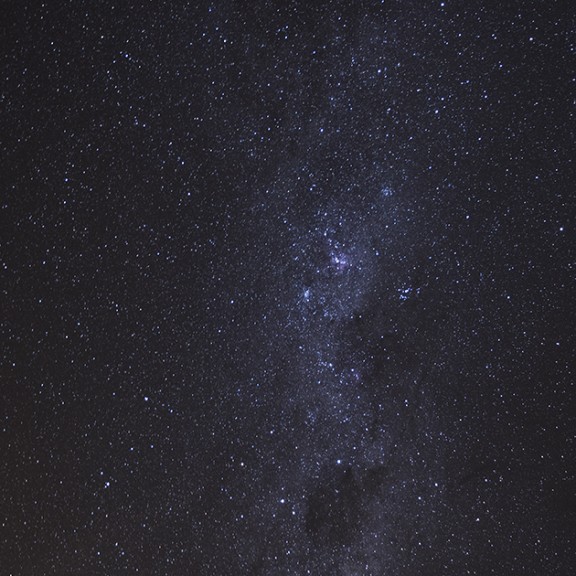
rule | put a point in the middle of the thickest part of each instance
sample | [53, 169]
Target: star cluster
[287, 289]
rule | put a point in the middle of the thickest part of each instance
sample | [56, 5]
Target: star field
[287, 288]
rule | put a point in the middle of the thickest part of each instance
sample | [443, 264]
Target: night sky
[287, 288]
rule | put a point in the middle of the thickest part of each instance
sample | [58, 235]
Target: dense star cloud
[287, 289]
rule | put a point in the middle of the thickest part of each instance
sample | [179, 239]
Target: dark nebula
[287, 288]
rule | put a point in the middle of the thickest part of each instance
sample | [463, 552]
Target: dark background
[287, 288]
